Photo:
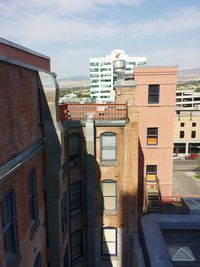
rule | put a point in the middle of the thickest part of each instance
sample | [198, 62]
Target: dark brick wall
[20, 128]
[25, 57]
[19, 116]
[19, 182]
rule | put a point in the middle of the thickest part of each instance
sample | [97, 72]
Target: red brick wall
[19, 182]
[25, 57]
[19, 116]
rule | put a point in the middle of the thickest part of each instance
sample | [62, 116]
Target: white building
[187, 100]
[101, 74]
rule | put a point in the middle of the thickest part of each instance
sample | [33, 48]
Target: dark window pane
[153, 93]
[182, 134]
[9, 230]
[193, 134]
[76, 196]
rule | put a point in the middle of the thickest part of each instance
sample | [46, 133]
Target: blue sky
[167, 32]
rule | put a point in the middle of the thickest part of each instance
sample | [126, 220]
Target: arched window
[109, 194]
[76, 196]
[74, 148]
[108, 146]
[109, 241]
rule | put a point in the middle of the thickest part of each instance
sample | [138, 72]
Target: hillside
[83, 81]
[189, 75]
[74, 81]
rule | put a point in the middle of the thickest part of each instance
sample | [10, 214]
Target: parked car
[176, 157]
[192, 156]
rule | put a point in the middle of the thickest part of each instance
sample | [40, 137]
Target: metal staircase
[152, 197]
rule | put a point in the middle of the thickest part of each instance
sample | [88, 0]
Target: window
[179, 148]
[32, 198]
[64, 212]
[153, 94]
[182, 124]
[9, 226]
[65, 258]
[74, 148]
[108, 146]
[194, 124]
[109, 241]
[152, 136]
[109, 194]
[76, 244]
[193, 134]
[182, 134]
[151, 172]
[76, 196]
[37, 262]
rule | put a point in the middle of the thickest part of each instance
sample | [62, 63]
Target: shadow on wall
[105, 236]
[140, 178]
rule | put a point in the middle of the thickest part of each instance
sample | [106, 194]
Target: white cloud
[59, 6]
[63, 23]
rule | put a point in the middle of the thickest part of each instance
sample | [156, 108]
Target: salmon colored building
[155, 99]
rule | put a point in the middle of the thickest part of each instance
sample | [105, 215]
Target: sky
[167, 32]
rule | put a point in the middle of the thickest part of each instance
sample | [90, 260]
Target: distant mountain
[77, 81]
[75, 78]
[73, 81]
[189, 75]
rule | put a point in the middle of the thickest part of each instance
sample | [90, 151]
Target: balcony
[106, 112]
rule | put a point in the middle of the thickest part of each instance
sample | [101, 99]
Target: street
[184, 182]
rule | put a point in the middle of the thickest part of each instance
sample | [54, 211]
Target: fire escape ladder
[153, 196]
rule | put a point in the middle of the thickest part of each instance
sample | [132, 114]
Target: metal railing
[77, 111]
[156, 184]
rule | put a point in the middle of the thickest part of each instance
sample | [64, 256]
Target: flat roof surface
[193, 204]
[175, 233]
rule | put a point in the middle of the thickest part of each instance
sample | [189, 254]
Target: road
[184, 182]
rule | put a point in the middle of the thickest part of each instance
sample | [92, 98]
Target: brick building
[70, 175]
[22, 216]
[105, 134]
[128, 157]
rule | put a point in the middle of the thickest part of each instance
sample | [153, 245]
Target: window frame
[102, 241]
[37, 262]
[66, 257]
[80, 244]
[193, 134]
[74, 158]
[151, 172]
[152, 136]
[194, 124]
[78, 207]
[182, 124]
[32, 197]
[107, 181]
[154, 94]
[182, 134]
[64, 220]
[9, 228]
[103, 147]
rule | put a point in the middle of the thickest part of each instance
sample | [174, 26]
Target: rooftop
[102, 112]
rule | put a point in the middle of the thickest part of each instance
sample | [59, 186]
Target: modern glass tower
[101, 74]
